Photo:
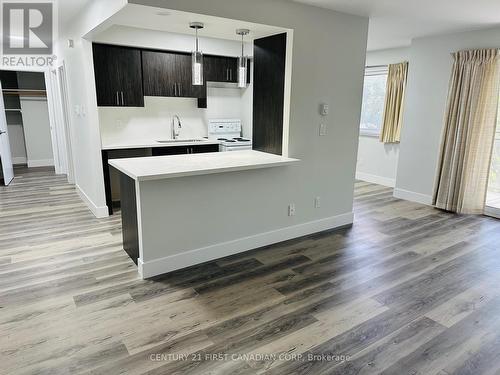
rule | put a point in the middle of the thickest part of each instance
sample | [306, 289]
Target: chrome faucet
[175, 129]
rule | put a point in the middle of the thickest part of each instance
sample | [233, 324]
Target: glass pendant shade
[242, 71]
[242, 60]
[197, 66]
[197, 57]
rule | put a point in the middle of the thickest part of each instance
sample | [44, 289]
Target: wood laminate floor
[406, 290]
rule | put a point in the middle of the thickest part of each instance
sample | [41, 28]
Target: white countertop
[163, 167]
[151, 144]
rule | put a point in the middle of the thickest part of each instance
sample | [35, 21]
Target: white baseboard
[19, 160]
[379, 180]
[412, 196]
[40, 163]
[99, 212]
[189, 258]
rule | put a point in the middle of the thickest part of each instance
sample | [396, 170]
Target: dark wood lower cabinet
[129, 217]
[109, 173]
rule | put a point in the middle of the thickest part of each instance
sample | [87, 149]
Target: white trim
[40, 163]
[19, 160]
[99, 212]
[412, 196]
[196, 256]
[53, 123]
[139, 216]
[379, 180]
[287, 92]
[368, 133]
[492, 211]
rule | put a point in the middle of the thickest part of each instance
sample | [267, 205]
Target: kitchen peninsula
[166, 225]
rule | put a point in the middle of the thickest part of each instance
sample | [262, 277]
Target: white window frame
[371, 71]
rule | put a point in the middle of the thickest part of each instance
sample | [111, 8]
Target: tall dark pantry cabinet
[269, 93]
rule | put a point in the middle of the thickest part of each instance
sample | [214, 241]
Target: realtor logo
[27, 28]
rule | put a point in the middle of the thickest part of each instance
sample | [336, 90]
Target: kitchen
[183, 99]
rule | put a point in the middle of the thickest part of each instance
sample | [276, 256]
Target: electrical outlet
[322, 130]
[317, 202]
[291, 209]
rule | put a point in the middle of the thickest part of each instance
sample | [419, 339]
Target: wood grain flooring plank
[405, 289]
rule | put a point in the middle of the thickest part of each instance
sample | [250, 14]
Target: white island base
[183, 210]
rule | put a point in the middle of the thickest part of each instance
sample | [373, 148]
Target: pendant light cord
[196, 39]
[242, 50]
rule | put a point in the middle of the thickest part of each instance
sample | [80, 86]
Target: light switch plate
[317, 202]
[322, 130]
[324, 109]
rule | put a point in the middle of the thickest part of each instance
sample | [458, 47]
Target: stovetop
[234, 140]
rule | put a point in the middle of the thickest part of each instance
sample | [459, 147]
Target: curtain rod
[376, 66]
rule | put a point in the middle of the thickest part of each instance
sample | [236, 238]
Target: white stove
[228, 132]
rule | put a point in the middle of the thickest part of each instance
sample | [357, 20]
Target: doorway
[31, 115]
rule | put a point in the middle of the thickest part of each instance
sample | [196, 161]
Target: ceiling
[173, 21]
[394, 23]
[67, 9]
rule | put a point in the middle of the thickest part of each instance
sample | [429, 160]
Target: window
[372, 110]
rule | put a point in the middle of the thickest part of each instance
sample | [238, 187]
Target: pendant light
[197, 57]
[242, 60]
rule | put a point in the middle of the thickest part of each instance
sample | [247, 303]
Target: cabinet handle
[117, 99]
[230, 74]
[180, 90]
[123, 102]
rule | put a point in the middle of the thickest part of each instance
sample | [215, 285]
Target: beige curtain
[469, 131]
[394, 103]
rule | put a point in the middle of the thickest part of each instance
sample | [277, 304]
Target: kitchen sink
[182, 140]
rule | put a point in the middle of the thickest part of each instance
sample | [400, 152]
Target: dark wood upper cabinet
[221, 69]
[125, 75]
[118, 76]
[169, 74]
[269, 93]
[187, 89]
[159, 73]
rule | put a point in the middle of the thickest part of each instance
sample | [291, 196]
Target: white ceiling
[393, 23]
[67, 9]
[173, 21]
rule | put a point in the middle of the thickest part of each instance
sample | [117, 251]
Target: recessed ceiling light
[163, 13]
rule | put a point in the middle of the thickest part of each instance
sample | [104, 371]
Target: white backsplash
[153, 121]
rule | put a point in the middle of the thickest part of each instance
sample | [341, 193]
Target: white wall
[16, 132]
[429, 74]
[328, 63]
[120, 126]
[86, 140]
[377, 162]
[17, 144]
[37, 135]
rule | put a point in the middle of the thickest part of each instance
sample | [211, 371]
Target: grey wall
[377, 162]
[35, 119]
[329, 51]
[36, 126]
[329, 69]
[328, 61]
[428, 79]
